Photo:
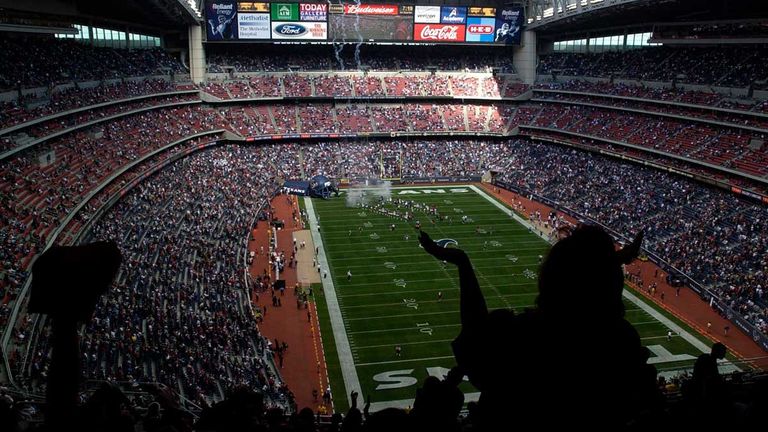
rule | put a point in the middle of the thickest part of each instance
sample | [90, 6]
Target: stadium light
[193, 5]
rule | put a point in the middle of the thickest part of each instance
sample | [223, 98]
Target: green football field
[393, 299]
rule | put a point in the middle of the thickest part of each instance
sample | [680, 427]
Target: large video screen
[371, 22]
[323, 22]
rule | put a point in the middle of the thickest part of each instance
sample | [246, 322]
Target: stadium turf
[392, 298]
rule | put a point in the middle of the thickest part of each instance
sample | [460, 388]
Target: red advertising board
[480, 29]
[371, 9]
[439, 33]
[313, 7]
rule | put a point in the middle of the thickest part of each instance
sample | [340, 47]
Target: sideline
[346, 361]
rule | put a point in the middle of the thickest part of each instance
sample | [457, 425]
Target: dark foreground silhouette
[570, 361]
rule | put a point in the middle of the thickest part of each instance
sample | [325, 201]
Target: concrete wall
[196, 54]
[524, 58]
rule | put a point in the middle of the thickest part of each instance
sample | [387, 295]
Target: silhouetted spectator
[537, 365]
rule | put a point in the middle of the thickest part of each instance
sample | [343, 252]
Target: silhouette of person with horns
[571, 360]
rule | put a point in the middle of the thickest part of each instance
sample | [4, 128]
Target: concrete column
[196, 54]
[524, 57]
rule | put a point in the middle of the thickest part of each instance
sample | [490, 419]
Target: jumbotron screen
[233, 21]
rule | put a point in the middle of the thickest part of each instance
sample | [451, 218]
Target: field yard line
[396, 304]
[393, 273]
[378, 241]
[408, 403]
[410, 255]
[406, 361]
[402, 329]
[379, 293]
[413, 343]
[344, 351]
[403, 315]
[424, 301]
[695, 342]
[645, 322]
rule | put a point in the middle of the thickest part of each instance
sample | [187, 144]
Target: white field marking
[694, 341]
[406, 361]
[390, 273]
[344, 351]
[340, 228]
[411, 328]
[373, 217]
[439, 313]
[377, 239]
[446, 300]
[699, 345]
[408, 403]
[400, 303]
[418, 214]
[447, 278]
[379, 293]
[383, 288]
[414, 245]
[413, 255]
[421, 260]
[417, 301]
[459, 229]
[382, 220]
[406, 343]
[401, 316]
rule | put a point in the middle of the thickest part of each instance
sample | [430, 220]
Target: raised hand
[447, 254]
[630, 251]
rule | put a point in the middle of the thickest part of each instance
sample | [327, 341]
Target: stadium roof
[618, 13]
[162, 15]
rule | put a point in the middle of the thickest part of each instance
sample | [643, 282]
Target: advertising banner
[253, 7]
[220, 16]
[313, 12]
[299, 30]
[231, 20]
[285, 11]
[453, 15]
[481, 29]
[487, 12]
[509, 23]
[371, 23]
[371, 9]
[426, 14]
[439, 33]
[253, 25]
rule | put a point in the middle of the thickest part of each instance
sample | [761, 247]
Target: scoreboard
[231, 20]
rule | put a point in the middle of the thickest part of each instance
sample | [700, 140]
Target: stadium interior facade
[171, 127]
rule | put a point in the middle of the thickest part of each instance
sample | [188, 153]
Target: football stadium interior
[380, 215]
